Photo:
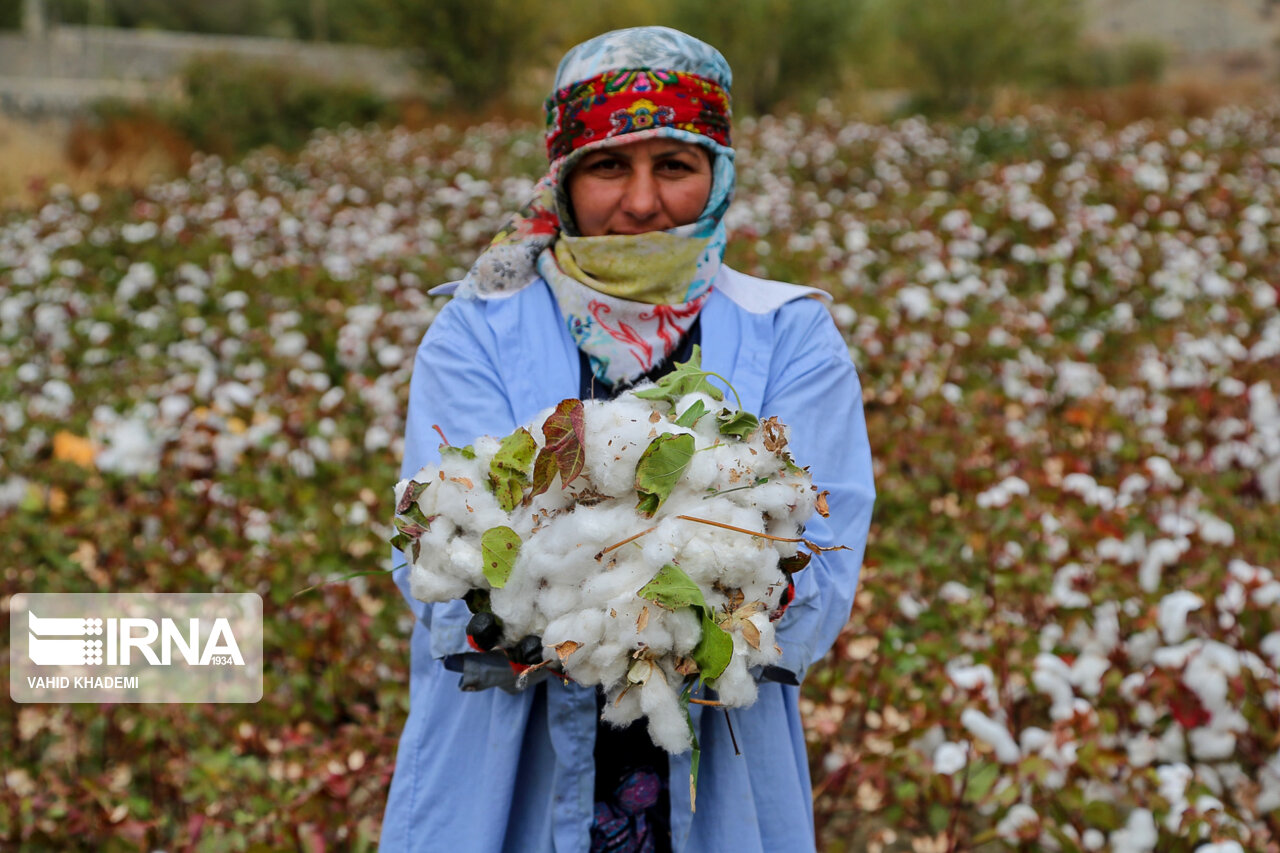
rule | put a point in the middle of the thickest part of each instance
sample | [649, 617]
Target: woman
[607, 277]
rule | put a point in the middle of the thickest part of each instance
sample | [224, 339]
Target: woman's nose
[641, 199]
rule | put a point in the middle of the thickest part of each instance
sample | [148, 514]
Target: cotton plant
[647, 540]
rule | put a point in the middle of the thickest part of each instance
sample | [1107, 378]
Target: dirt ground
[36, 154]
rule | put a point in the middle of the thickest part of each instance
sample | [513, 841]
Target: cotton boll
[702, 475]
[986, 729]
[426, 585]
[402, 487]
[660, 546]
[584, 627]
[1174, 609]
[773, 499]
[751, 564]
[616, 582]
[486, 447]
[589, 529]
[560, 591]
[686, 630]
[518, 615]
[466, 562]
[556, 599]
[616, 434]
[735, 687]
[611, 659]
[667, 725]
[768, 652]
[655, 634]
[1211, 745]
[1138, 835]
[622, 709]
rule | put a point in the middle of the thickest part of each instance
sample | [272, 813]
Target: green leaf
[466, 452]
[509, 470]
[415, 515]
[691, 415]
[565, 434]
[544, 472]
[1102, 814]
[407, 531]
[499, 546]
[672, 588]
[982, 778]
[695, 759]
[739, 423]
[411, 494]
[714, 649]
[687, 378]
[660, 468]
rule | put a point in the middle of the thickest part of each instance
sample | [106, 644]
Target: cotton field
[1066, 636]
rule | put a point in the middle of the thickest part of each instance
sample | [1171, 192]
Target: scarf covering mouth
[627, 300]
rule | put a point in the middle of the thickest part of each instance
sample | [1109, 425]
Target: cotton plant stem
[734, 738]
[956, 807]
[709, 702]
[728, 384]
[734, 489]
[629, 539]
[763, 535]
[342, 578]
[436, 427]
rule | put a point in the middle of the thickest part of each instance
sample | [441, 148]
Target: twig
[764, 535]
[436, 427]
[728, 722]
[347, 578]
[625, 541]
[728, 384]
[759, 482]
[955, 808]
[712, 702]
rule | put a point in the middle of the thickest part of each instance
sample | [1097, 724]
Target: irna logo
[63, 641]
[135, 647]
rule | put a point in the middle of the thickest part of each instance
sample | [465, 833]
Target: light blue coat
[492, 771]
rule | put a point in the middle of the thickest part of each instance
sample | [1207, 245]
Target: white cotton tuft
[950, 758]
[1138, 835]
[1018, 816]
[668, 727]
[1174, 609]
[986, 729]
[585, 551]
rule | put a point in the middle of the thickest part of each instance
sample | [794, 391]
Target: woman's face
[650, 185]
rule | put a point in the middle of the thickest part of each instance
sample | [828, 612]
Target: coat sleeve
[455, 386]
[813, 388]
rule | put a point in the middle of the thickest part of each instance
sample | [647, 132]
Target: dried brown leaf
[565, 649]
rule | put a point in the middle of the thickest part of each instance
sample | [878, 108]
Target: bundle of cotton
[661, 559]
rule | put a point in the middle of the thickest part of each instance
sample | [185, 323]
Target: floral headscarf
[628, 300]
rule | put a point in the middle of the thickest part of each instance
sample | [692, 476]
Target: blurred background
[114, 91]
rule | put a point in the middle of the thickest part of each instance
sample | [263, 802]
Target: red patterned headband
[626, 101]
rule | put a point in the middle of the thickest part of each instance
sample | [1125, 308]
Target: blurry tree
[475, 46]
[231, 108]
[778, 49]
[10, 15]
[1112, 64]
[965, 47]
